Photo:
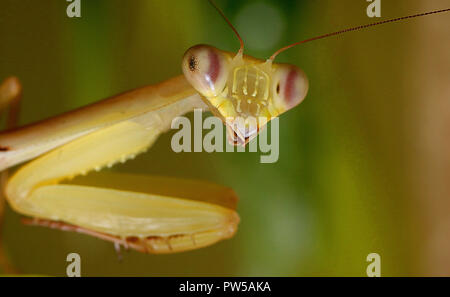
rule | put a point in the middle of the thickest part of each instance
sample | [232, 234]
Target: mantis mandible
[169, 215]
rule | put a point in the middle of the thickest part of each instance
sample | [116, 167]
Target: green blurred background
[355, 171]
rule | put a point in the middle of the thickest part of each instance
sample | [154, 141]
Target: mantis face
[243, 91]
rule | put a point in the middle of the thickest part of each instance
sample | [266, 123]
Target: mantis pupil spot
[278, 88]
[192, 63]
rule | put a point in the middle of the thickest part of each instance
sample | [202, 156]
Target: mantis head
[243, 91]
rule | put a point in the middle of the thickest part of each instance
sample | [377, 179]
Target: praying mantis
[170, 215]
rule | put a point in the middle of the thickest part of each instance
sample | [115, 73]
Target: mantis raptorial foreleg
[33, 190]
[153, 220]
[155, 185]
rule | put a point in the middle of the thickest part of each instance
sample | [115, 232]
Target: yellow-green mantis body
[157, 215]
[159, 220]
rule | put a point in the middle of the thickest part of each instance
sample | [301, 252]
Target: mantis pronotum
[173, 215]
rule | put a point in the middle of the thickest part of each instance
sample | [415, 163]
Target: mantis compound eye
[206, 69]
[289, 88]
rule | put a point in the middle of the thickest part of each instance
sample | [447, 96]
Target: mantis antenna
[241, 49]
[355, 29]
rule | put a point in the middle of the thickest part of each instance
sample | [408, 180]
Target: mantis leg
[157, 222]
